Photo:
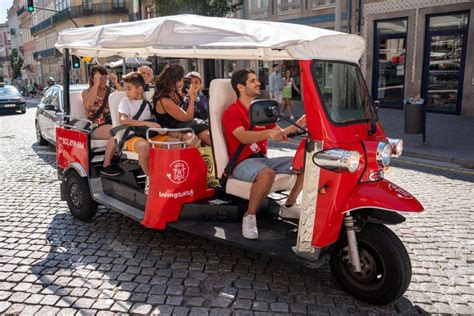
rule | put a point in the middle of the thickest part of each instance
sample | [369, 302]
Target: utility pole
[337, 24]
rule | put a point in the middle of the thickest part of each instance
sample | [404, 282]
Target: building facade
[27, 43]
[5, 72]
[421, 48]
[64, 14]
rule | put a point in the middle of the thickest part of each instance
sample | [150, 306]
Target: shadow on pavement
[47, 153]
[116, 261]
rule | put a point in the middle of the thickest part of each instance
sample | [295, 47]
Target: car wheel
[78, 197]
[39, 137]
[23, 111]
[386, 266]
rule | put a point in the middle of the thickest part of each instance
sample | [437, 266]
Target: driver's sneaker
[290, 212]
[249, 227]
[111, 171]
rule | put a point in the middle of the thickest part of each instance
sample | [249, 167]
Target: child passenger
[128, 109]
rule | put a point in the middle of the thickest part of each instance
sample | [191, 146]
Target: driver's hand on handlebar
[301, 121]
[277, 135]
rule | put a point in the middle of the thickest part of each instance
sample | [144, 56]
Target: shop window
[448, 22]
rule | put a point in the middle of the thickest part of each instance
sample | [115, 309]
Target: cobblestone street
[51, 263]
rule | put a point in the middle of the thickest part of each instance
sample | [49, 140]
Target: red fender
[383, 195]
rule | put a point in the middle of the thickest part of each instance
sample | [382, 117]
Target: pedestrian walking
[275, 83]
[288, 83]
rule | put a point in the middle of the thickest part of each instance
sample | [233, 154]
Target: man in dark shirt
[253, 165]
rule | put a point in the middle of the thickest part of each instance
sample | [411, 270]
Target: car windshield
[9, 91]
[343, 92]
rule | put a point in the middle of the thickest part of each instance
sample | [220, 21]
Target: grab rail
[163, 131]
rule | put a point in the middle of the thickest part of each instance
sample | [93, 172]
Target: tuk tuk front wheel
[386, 266]
[78, 197]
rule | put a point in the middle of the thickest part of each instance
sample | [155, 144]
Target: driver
[253, 165]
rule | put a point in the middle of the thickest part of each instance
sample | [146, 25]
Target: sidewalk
[449, 138]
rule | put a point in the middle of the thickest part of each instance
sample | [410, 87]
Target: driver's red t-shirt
[237, 115]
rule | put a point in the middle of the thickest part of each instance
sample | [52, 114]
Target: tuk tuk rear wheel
[386, 267]
[78, 197]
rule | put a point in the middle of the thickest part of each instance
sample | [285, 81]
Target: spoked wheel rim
[373, 268]
[38, 133]
[75, 195]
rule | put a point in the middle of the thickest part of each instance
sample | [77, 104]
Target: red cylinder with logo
[177, 176]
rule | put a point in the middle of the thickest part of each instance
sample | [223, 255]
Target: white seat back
[77, 109]
[221, 95]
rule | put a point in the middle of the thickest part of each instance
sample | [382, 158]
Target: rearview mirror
[264, 112]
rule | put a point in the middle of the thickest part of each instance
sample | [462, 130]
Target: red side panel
[71, 146]
[298, 160]
[383, 195]
[177, 176]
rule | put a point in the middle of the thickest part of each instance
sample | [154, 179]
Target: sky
[4, 6]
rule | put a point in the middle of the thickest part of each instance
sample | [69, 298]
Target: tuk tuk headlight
[397, 146]
[337, 160]
[384, 154]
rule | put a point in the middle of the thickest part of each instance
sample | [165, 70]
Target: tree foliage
[16, 63]
[201, 7]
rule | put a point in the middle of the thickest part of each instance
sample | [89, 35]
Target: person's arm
[250, 137]
[126, 120]
[89, 95]
[294, 86]
[293, 129]
[178, 113]
[114, 80]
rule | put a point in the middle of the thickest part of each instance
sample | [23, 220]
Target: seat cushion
[96, 143]
[283, 182]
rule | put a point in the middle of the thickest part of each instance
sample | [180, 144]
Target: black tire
[39, 137]
[386, 266]
[78, 197]
[23, 111]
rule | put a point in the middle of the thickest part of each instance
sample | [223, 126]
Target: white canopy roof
[194, 36]
[131, 61]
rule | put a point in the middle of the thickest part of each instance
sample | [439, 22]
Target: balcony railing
[50, 52]
[78, 11]
[323, 3]
[258, 13]
[289, 7]
[21, 11]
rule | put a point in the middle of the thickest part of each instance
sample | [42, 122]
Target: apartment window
[288, 6]
[258, 9]
[317, 4]
[63, 4]
[87, 4]
[149, 12]
[118, 3]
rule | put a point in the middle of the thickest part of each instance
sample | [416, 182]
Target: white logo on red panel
[400, 192]
[178, 171]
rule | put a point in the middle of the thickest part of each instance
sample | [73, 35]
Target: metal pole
[66, 82]
[337, 24]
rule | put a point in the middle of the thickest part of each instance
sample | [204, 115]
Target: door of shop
[389, 62]
[444, 62]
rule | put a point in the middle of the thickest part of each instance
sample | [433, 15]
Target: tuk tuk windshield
[342, 91]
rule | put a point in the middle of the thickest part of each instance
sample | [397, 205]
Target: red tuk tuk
[346, 202]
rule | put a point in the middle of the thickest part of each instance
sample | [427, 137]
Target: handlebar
[74, 120]
[166, 130]
[295, 134]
